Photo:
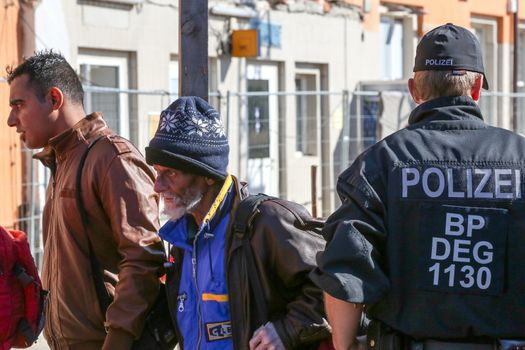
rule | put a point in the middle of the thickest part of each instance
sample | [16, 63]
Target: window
[213, 96]
[258, 119]
[397, 40]
[391, 48]
[174, 79]
[98, 73]
[306, 115]
[487, 30]
[260, 126]
[245, 2]
[118, 4]
[521, 58]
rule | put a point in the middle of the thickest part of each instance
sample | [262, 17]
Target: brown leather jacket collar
[59, 145]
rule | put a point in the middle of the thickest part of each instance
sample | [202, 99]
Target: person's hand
[360, 343]
[266, 338]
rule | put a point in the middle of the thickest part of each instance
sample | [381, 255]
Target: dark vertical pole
[345, 141]
[193, 48]
[515, 68]
[313, 184]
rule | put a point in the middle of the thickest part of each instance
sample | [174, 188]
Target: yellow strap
[220, 298]
[218, 200]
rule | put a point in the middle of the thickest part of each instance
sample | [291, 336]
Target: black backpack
[247, 211]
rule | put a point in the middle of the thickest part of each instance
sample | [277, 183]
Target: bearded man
[211, 302]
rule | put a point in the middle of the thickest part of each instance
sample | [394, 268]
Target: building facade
[298, 112]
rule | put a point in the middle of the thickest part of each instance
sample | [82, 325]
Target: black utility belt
[408, 344]
[506, 344]
[382, 337]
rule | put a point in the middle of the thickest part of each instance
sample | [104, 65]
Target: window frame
[121, 62]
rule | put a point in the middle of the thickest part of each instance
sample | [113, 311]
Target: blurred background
[302, 86]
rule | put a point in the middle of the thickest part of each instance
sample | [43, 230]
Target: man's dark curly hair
[47, 69]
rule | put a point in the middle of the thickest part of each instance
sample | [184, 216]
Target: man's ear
[475, 90]
[56, 97]
[209, 181]
[413, 91]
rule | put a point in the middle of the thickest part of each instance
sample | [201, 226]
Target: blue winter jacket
[203, 311]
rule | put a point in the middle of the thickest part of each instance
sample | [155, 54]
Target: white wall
[148, 36]
[51, 27]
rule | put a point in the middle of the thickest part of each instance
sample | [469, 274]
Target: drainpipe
[513, 7]
[516, 69]
[26, 48]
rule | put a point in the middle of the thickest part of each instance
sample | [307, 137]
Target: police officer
[430, 233]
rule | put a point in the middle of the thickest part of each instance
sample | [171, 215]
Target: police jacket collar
[446, 108]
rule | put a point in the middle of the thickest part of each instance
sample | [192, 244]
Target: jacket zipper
[208, 235]
[181, 300]
[227, 255]
[51, 268]
[176, 286]
[194, 273]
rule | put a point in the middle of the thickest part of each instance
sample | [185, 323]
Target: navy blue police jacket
[430, 235]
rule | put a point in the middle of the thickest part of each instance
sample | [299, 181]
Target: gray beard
[183, 205]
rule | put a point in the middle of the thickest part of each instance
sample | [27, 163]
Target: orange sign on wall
[245, 43]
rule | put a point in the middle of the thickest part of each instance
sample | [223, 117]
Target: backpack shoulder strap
[96, 271]
[82, 162]
[246, 211]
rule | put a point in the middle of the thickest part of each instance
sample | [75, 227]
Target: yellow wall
[10, 157]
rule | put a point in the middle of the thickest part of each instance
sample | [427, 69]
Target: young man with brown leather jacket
[46, 99]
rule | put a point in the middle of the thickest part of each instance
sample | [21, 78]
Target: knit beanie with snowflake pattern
[190, 137]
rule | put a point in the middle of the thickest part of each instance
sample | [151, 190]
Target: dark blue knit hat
[190, 137]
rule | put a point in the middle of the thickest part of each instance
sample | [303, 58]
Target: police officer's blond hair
[431, 84]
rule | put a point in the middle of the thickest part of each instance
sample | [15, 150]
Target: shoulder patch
[120, 144]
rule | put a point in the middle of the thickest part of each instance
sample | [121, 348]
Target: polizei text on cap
[439, 62]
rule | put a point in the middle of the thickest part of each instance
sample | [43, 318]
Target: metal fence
[288, 144]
